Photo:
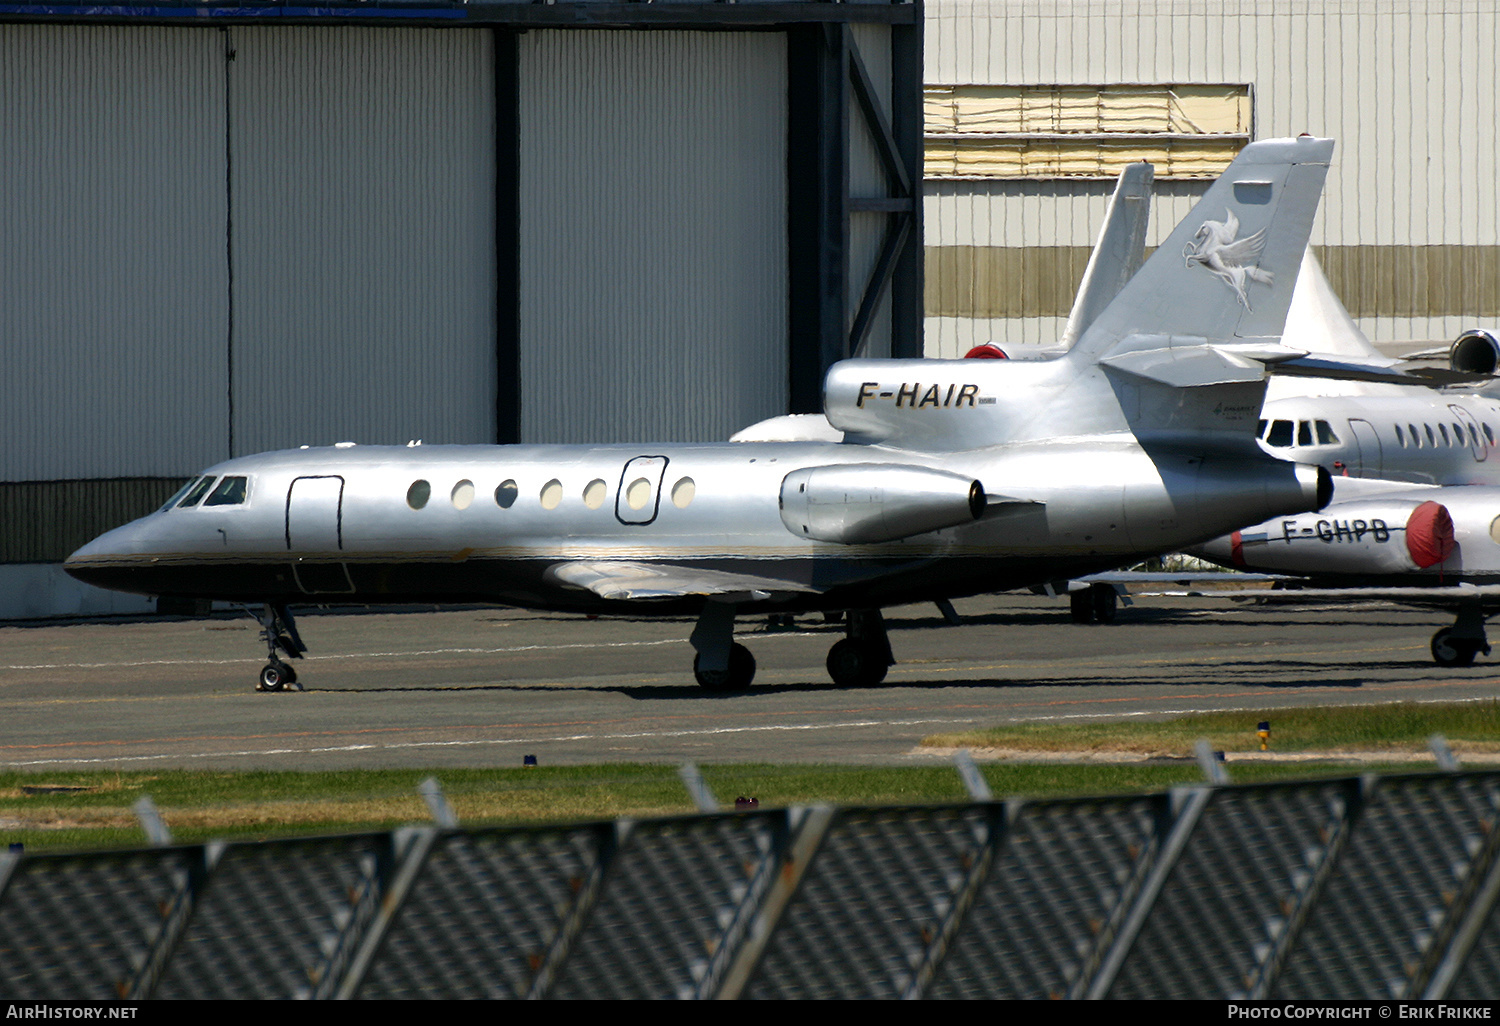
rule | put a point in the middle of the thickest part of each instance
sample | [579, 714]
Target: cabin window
[593, 493]
[683, 492]
[1489, 436]
[418, 494]
[1431, 438]
[551, 494]
[231, 492]
[1443, 430]
[1416, 439]
[1400, 437]
[1325, 434]
[462, 495]
[638, 494]
[505, 495]
[1280, 434]
[1473, 436]
[199, 489]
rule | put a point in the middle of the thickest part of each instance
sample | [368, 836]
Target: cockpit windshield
[231, 492]
[196, 492]
[177, 495]
[1280, 434]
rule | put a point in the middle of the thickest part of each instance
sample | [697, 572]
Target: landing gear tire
[1081, 606]
[853, 665]
[1105, 602]
[276, 676]
[1450, 651]
[737, 677]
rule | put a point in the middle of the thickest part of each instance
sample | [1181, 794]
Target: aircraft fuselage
[485, 523]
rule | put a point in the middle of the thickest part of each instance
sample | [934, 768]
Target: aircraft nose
[109, 560]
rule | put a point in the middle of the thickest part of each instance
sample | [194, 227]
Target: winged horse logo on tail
[1230, 259]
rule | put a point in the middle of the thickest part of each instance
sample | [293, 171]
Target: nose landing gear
[279, 631]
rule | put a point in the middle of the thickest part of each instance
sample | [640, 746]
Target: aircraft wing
[615, 579]
[1184, 578]
[1445, 597]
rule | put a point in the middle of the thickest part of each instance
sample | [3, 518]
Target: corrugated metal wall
[113, 287]
[653, 234]
[47, 519]
[1410, 228]
[360, 168]
[360, 164]
[363, 187]
[225, 241]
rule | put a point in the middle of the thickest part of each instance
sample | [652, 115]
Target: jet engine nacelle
[862, 503]
[1476, 351]
[1367, 538]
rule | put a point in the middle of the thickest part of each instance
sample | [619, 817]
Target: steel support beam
[907, 288]
[807, 834]
[176, 913]
[520, 14]
[508, 396]
[1338, 830]
[411, 848]
[611, 838]
[980, 861]
[1465, 916]
[817, 208]
[1186, 821]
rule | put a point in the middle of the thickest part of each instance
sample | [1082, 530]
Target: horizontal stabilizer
[613, 579]
[1188, 367]
[1355, 370]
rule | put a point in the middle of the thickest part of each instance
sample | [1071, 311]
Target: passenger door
[639, 495]
[1368, 441]
[315, 525]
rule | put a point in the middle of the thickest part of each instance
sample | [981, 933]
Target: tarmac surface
[484, 687]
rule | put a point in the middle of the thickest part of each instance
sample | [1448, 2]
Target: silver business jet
[949, 478]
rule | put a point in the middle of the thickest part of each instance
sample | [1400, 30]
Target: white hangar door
[653, 261]
[362, 185]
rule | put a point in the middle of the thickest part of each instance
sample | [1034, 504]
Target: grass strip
[90, 810]
[1394, 727]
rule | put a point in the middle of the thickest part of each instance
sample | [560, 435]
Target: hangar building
[1033, 105]
[256, 226]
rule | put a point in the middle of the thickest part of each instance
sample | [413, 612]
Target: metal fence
[1366, 887]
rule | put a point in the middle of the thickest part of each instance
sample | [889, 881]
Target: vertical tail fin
[1227, 271]
[1117, 254]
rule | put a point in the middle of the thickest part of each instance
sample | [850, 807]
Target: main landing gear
[1095, 604]
[279, 631]
[1459, 644]
[864, 656]
[722, 664]
[861, 659]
